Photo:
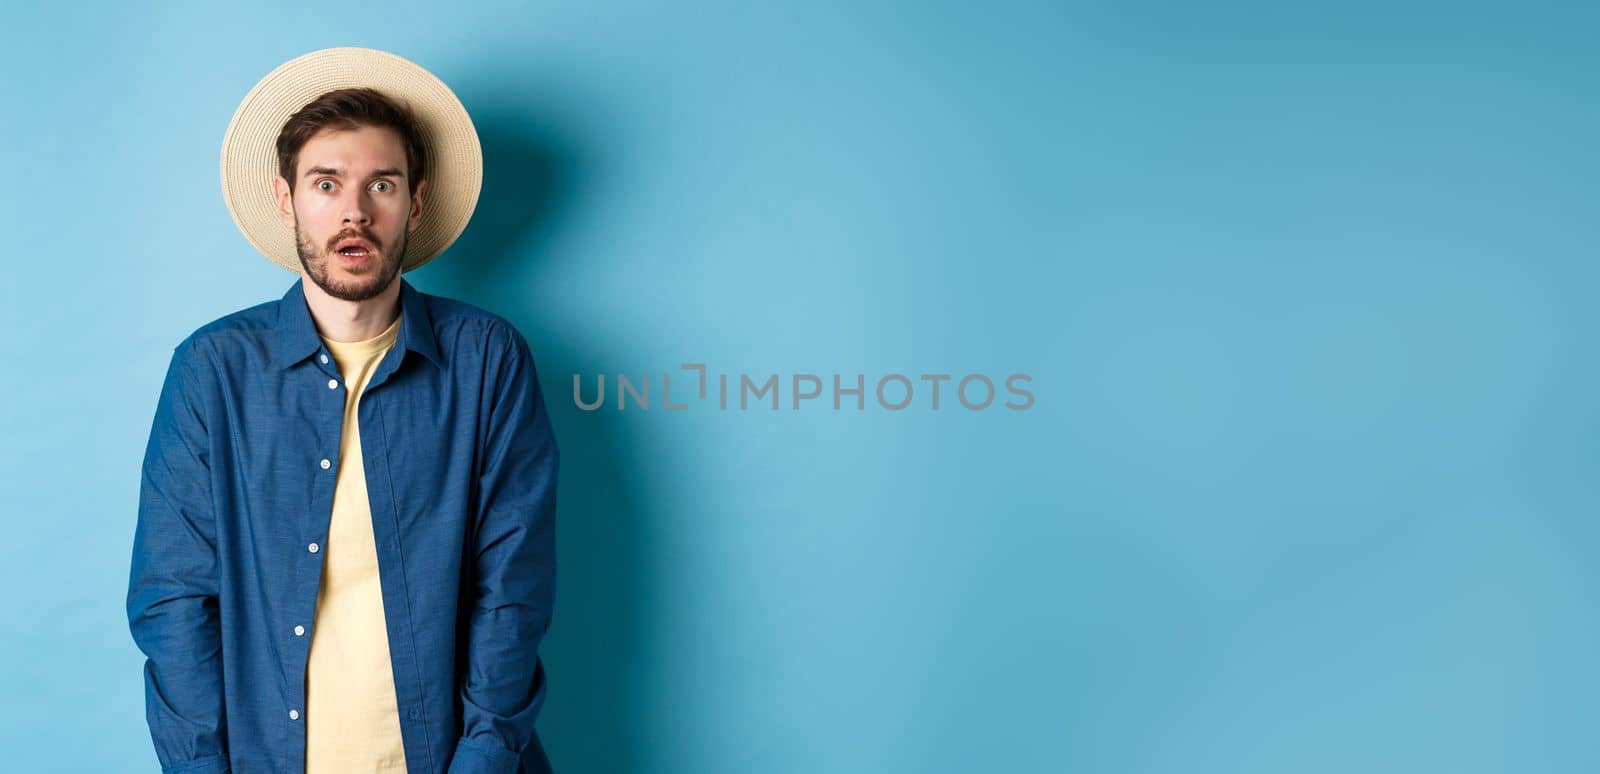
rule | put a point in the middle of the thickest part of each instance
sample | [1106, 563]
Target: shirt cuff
[478, 756]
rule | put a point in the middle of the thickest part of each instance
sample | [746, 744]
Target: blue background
[1307, 296]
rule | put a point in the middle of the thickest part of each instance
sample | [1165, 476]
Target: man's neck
[342, 320]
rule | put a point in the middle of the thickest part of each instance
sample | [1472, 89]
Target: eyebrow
[385, 172]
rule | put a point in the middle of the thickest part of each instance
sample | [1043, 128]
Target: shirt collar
[295, 337]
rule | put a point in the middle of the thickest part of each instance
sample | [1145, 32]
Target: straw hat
[250, 156]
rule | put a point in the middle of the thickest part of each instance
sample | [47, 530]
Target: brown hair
[345, 109]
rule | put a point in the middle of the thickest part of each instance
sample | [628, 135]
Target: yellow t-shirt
[352, 721]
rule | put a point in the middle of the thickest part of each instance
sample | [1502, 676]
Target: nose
[356, 209]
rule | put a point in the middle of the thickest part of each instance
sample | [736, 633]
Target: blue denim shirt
[236, 495]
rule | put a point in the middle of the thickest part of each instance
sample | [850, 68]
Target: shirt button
[333, 384]
[299, 631]
[294, 714]
[324, 358]
[312, 548]
[326, 464]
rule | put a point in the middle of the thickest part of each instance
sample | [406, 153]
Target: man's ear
[416, 207]
[280, 191]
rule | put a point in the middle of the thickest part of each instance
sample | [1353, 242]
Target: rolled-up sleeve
[514, 565]
[173, 580]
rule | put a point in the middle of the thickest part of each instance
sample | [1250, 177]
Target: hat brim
[250, 156]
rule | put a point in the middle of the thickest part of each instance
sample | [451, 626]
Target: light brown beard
[316, 264]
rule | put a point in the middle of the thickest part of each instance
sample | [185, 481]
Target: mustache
[362, 235]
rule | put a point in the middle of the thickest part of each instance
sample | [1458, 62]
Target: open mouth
[354, 250]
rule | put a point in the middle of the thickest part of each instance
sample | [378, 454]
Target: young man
[345, 551]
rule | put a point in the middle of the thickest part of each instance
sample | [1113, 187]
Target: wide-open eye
[387, 186]
[324, 185]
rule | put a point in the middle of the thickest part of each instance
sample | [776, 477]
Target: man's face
[352, 194]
